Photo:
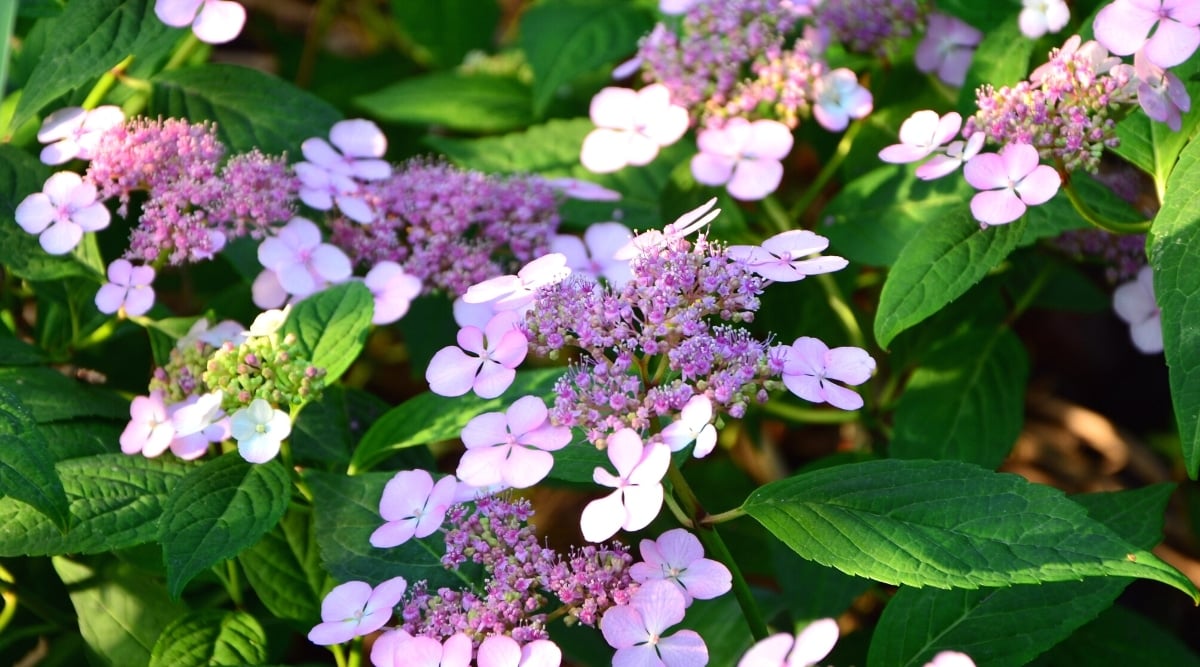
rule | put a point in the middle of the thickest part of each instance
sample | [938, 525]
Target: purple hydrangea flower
[128, 287]
[677, 556]
[743, 156]
[354, 609]
[638, 630]
[803, 650]
[412, 506]
[1010, 180]
[74, 132]
[511, 448]
[1125, 26]
[60, 214]
[638, 483]
[947, 48]
[1135, 304]
[810, 366]
[484, 360]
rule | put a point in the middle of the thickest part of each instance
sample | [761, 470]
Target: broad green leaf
[51, 396]
[877, 214]
[73, 438]
[967, 402]
[284, 568]
[347, 512]
[1153, 146]
[444, 32]
[1001, 59]
[481, 103]
[575, 462]
[328, 429]
[1174, 249]
[946, 524]
[16, 352]
[331, 326]
[1009, 626]
[562, 40]
[27, 469]
[217, 511]
[252, 109]
[945, 258]
[121, 611]
[21, 174]
[115, 502]
[1120, 637]
[981, 15]
[90, 38]
[208, 637]
[425, 419]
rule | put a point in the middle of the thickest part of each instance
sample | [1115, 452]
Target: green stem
[810, 415]
[837, 302]
[356, 649]
[9, 597]
[1091, 215]
[8, 22]
[326, 9]
[183, 52]
[715, 547]
[105, 84]
[339, 655]
[680, 516]
[827, 171]
[777, 214]
[722, 517]
[233, 583]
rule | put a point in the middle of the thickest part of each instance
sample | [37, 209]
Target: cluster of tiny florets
[263, 367]
[868, 26]
[1122, 255]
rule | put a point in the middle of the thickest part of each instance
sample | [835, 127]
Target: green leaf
[446, 31]
[1058, 215]
[121, 611]
[207, 637]
[1010, 626]
[74, 438]
[575, 462]
[1174, 249]
[877, 214]
[252, 109]
[217, 511]
[1001, 59]
[1153, 146]
[328, 428]
[562, 40]
[331, 326]
[946, 257]
[16, 352]
[425, 419]
[1118, 638]
[284, 569]
[967, 402]
[51, 396]
[115, 502]
[482, 103]
[90, 38]
[347, 512]
[27, 468]
[946, 524]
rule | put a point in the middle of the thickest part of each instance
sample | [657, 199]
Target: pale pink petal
[61, 185]
[91, 218]
[470, 339]
[754, 179]
[937, 167]
[330, 263]
[177, 13]
[493, 380]
[625, 449]
[296, 279]
[814, 643]
[60, 238]
[485, 430]
[676, 546]
[358, 138]
[482, 467]
[35, 213]
[1039, 186]
[354, 207]
[951, 659]
[1172, 43]
[832, 118]
[452, 372]
[706, 441]
[540, 653]
[614, 108]
[996, 207]
[511, 349]
[643, 655]
[640, 150]
[499, 651]
[318, 151]
[139, 301]
[642, 503]
[110, 298]
[1147, 335]
[602, 518]
[953, 69]
[841, 397]
[711, 169]
[603, 151]
[1122, 27]
[706, 579]
[903, 153]
[573, 249]
[661, 605]
[266, 292]
[59, 152]
[622, 626]
[1019, 161]
[851, 365]
[987, 171]
[62, 124]
[807, 387]
[219, 21]
[526, 467]
[683, 649]
[768, 139]
[769, 652]
[491, 289]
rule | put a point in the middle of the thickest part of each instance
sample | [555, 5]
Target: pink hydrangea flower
[1125, 26]
[331, 174]
[1010, 181]
[511, 448]
[1039, 17]
[489, 368]
[259, 430]
[920, 135]
[743, 156]
[630, 127]
[1160, 93]
[1134, 303]
[802, 650]
[638, 483]
[198, 421]
[399, 649]
[213, 21]
[781, 257]
[694, 425]
[839, 98]
[810, 367]
[956, 153]
[354, 609]
[301, 262]
[595, 254]
[947, 48]
[393, 290]
[149, 431]
[677, 556]
[64, 209]
[512, 292]
[412, 506]
[951, 659]
[654, 240]
[504, 651]
[73, 132]
[128, 287]
[637, 630]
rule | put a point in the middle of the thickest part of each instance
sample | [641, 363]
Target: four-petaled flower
[636, 630]
[511, 448]
[920, 135]
[947, 48]
[781, 257]
[213, 21]
[149, 431]
[810, 366]
[354, 609]
[595, 254]
[802, 650]
[504, 651]
[128, 287]
[676, 556]
[495, 353]
[1134, 303]
[74, 132]
[259, 430]
[638, 483]
[332, 175]
[412, 506]
[630, 127]
[1124, 27]
[743, 156]
[1041, 16]
[393, 290]
[300, 261]
[839, 98]
[1010, 180]
[1160, 93]
[64, 209]
[694, 424]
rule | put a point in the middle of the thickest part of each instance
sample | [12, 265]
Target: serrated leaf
[90, 38]
[284, 568]
[1174, 249]
[946, 524]
[1118, 638]
[425, 419]
[208, 637]
[967, 402]
[51, 396]
[481, 103]
[218, 510]
[252, 109]
[121, 611]
[331, 326]
[446, 31]
[27, 469]
[564, 40]
[115, 503]
[347, 512]
[1010, 626]
[945, 258]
